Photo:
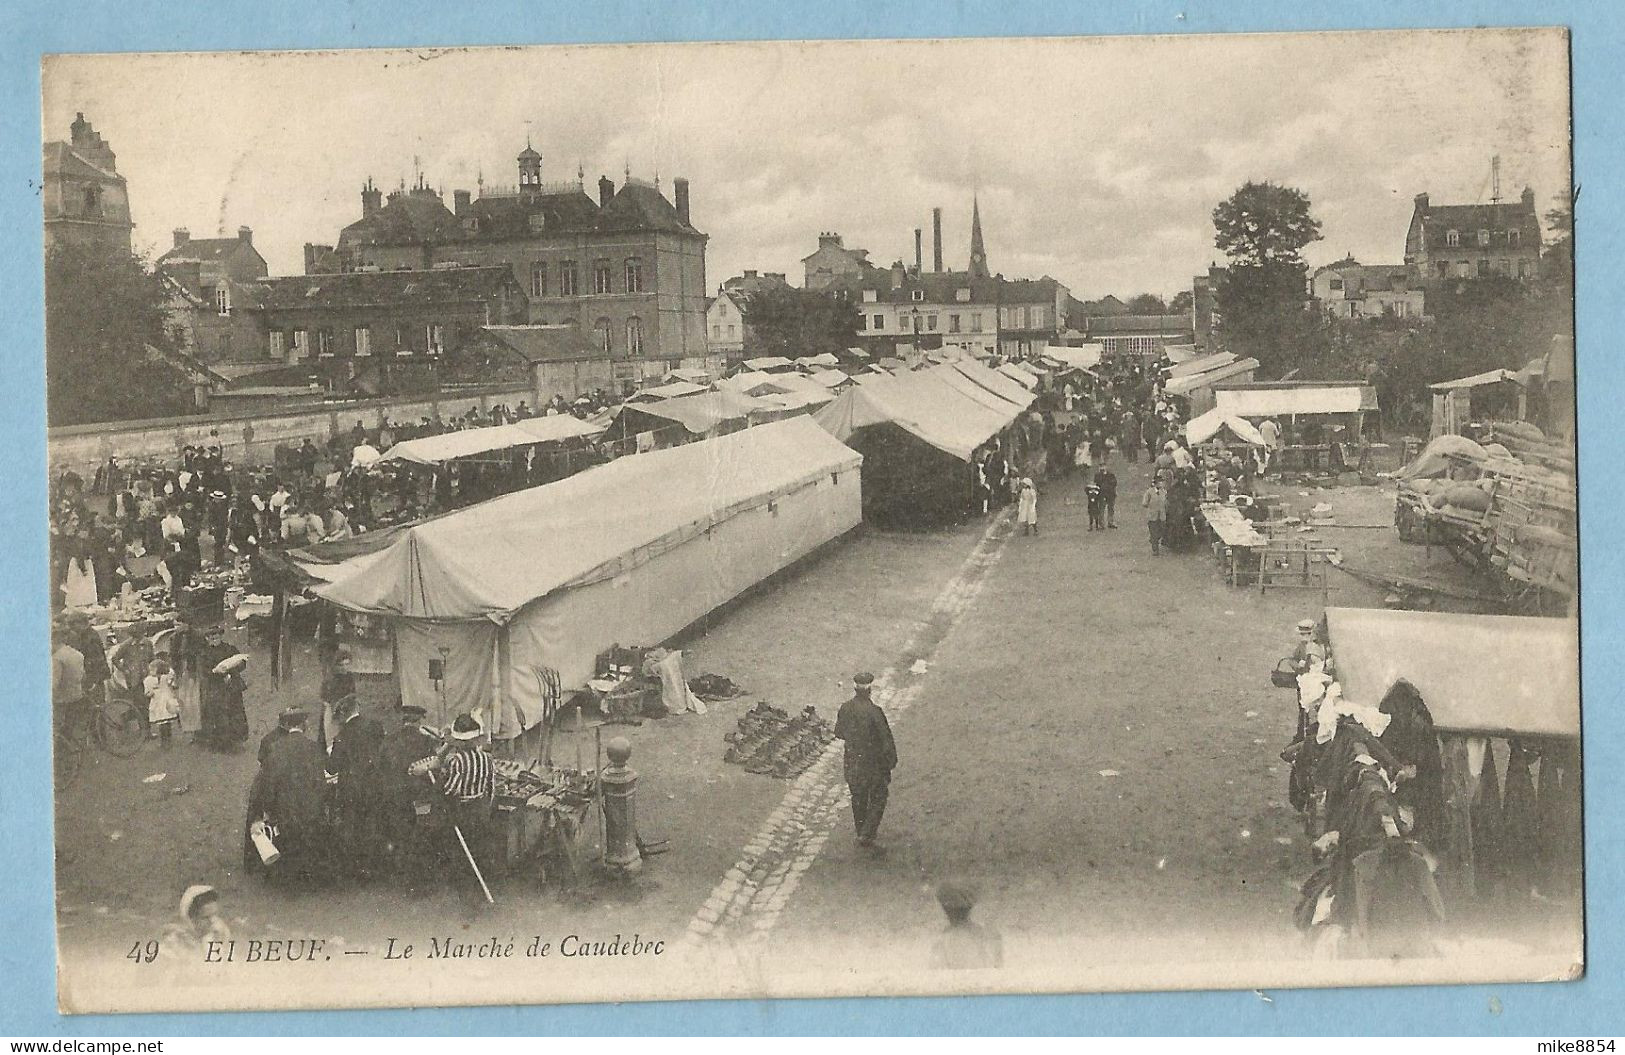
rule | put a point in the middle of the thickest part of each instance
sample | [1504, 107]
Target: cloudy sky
[1097, 161]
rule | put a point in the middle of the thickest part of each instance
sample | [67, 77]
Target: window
[301, 347]
[1035, 318]
[716, 332]
[279, 344]
[962, 295]
[919, 294]
[1513, 238]
[223, 346]
[400, 341]
[600, 276]
[433, 338]
[222, 299]
[93, 200]
[567, 279]
[634, 274]
[363, 341]
[870, 296]
[880, 322]
[1444, 269]
[634, 336]
[1524, 269]
[324, 342]
[538, 279]
[1337, 283]
[1483, 268]
[1483, 236]
[1464, 269]
[931, 322]
[1452, 238]
[600, 332]
[976, 322]
[731, 331]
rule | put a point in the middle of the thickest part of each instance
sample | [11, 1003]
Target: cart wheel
[122, 733]
[67, 758]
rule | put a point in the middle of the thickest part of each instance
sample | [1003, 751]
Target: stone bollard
[620, 785]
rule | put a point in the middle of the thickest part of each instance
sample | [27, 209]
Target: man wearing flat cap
[404, 830]
[871, 755]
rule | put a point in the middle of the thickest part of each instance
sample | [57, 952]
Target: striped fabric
[468, 775]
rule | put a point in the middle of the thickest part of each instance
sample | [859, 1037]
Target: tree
[102, 309]
[1181, 304]
[1265, 223]
[1146, 304]
[1263, 228]
[797, 322]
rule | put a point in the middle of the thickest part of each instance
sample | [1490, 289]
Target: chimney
[460, 201]
[371, 200]
[829, 239]
[310, 258]
[679, 191]
[936, 239]
[1422, 202]
[919, 260]
[898, 274]
[1528, 197]
[182, 236]
[606, 190]
[245, 235]
[749, 273]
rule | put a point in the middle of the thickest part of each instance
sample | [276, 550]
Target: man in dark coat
[288, 793]
[355, 763]
[404, 832]
[871, 755]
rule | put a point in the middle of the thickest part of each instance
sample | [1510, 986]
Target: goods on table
[771, 742]
[542, 787]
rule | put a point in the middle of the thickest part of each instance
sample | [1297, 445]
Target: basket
[1282, 677]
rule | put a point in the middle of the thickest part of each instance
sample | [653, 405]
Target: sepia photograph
[634, 522]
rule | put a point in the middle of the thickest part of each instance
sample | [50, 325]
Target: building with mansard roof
[1474, 241]
[626, 267]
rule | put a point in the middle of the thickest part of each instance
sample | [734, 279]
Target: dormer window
[1513, 238]
[870, 296]
[1483, 236]
[222, 299]
[1452, 238]
[537, 221]
[919, 294]
[962, 295]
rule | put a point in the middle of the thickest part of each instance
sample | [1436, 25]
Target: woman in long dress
[79, 586]
[1027, 507]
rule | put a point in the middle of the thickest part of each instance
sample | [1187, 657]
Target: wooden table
[1235, 531]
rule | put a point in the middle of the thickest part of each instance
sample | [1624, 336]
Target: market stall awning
[1279, 398]
[1488, 377]
[1025, 378]
[1201, 364]
[1086, 357]
[703, 412]
[1204, 427]
[449, 446]
[683, 373]
[768, 362]
[812, 362]
[829, 378]
[666, 391]
[1188, 383]
[925, 403]
[1491, 675]
[490, 560]
[995, 382]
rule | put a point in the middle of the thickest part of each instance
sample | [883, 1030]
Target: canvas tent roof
[768, 362]
[829, 378]
[951, 413]
[1492, 675]
[1204, 427]
[667, 391]
[821, 359]
[1488, 377]
[1083, 358]
[1021, 377]
[1189, 383]
[995, 382]
[702, 412]
[448, 446]
[1201, 364]
[1264, 398]
[490, 560]
[683, 373]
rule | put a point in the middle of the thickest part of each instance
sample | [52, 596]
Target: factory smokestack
[919, 258]
[936, 239]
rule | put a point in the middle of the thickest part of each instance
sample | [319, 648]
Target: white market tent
[1491, 675]
[1026, 378]
[627, 552]
[769, 362]
[812, 362]
[1199, 388]
[945, 406]
[1285, 398]
[1204, 427]
[1201, 364]
[830, 378]
[1086, 357]
[666, 391]
[449, 446]
[698, 377]
[700, 413]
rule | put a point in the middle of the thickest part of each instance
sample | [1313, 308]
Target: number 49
[143, 952]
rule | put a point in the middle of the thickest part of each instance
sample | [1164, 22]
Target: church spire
[978, 253]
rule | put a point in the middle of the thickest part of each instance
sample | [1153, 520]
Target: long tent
[1204, 427]
[698, 415]
[1286, 398]
[670, 390]
[1086, 357]
[1199, 388]
[466, 443]
[499, 598]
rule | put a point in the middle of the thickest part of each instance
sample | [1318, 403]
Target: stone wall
[251, 439]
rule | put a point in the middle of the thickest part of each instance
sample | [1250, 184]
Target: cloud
[1097, 161]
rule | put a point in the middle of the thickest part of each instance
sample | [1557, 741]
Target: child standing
[163, 704]
[1097, 505]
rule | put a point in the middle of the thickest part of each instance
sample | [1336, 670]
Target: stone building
[1474, 241]
[202, 277]
[626, 267]
[1349, 289]
[86, 201]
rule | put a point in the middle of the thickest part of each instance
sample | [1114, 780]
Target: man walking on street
[871, 755]
[1155, 501]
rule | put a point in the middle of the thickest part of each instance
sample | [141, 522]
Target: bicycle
[115, 726]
